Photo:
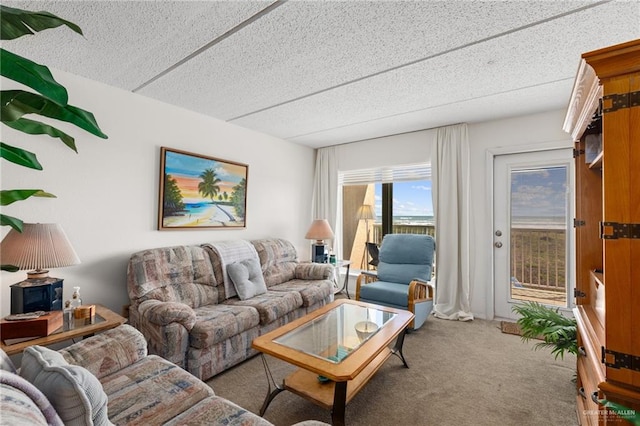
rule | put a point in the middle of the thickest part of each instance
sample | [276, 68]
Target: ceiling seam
[213, 42]
[444, 52]
[428, 108]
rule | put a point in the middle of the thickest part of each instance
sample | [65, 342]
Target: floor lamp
[366, 212]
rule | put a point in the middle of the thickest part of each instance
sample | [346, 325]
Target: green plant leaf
[36, 76]
[630, 415]
[33, 127]
[9, 268]
[17, 22]
[10, 196]
[559, 332]
[11, 221]
[16, 103]
[19, 156]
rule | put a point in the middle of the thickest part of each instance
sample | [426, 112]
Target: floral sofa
[184, 301]
[110, 379]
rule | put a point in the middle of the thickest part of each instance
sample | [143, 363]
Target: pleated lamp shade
[38, 246]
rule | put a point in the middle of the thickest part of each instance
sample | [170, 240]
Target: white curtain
[450, 189]
[325, 190]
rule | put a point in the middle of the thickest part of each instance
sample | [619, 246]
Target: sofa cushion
[172, 274]
[21, 403]
[75, 393]
[165, 313]
[223, 411]
[151, 392]
[312, 292]
[216, 323]
[278, 259]
[395, 294]
[107, 352]
[224, 253]
[271, 305]
[5, 363]
[247, 278]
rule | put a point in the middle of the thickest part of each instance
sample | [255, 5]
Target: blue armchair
[403, 278]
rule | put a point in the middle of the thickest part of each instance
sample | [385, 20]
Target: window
[401, 199]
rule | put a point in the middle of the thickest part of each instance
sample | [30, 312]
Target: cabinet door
[621, 204]
[588, 217]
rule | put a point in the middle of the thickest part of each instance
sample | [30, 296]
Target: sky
[539, 192]
[534, 192]
[409, 199]
[186, 170]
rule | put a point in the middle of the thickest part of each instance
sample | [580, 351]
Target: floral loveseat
[184, 302]
[110, 379]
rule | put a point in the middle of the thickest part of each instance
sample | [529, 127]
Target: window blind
[391, 174]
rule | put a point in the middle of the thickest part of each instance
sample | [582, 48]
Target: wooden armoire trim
[615, 60]
[607, 192]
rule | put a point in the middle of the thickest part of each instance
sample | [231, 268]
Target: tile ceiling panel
[472, 110]
[306, 47]
[325, 72]
[528, 58]
[128, 42]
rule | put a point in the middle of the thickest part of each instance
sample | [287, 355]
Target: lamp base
[44, 294]
[319, 253]
[38, 274]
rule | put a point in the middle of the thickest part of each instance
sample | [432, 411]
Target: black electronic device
[36, 294]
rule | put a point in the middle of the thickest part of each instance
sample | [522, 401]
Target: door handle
[498, 244]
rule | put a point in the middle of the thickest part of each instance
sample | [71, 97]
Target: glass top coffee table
[338, 348]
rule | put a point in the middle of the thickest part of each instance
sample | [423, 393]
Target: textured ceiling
[326, 72]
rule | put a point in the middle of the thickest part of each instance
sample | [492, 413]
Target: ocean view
[531, 222]
[413, 220]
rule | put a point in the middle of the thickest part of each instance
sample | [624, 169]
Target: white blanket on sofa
[230, 252]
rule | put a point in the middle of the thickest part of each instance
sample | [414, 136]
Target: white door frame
[488, 234]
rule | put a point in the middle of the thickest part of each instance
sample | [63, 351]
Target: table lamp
[319, 230]
[37, 247]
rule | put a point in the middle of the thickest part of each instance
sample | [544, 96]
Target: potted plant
[50, 99]
[557, 331]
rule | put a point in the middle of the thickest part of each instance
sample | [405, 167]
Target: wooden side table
[105, 319]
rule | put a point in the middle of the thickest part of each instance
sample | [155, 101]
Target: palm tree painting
[209, 186]
[197, 191]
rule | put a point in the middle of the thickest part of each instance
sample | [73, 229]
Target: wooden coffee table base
[333, 396]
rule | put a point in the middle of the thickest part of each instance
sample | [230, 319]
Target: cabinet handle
[594, 397]
[581, 392]
[582, 351]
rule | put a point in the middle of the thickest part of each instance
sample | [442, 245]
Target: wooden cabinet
[604, 120]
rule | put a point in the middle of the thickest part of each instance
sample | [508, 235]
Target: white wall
[108, 193]
[539, 130]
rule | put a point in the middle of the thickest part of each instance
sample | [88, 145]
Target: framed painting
[197, 191]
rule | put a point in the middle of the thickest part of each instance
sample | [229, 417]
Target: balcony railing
[402, 229]
[538, 255]
[538, 258]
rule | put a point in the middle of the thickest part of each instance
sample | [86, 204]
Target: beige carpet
[460, 374]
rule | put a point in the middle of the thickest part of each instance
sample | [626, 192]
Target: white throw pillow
[247, 278]
[76, 394]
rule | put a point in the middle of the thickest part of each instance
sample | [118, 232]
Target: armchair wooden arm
[364, 278]
[419, 291]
